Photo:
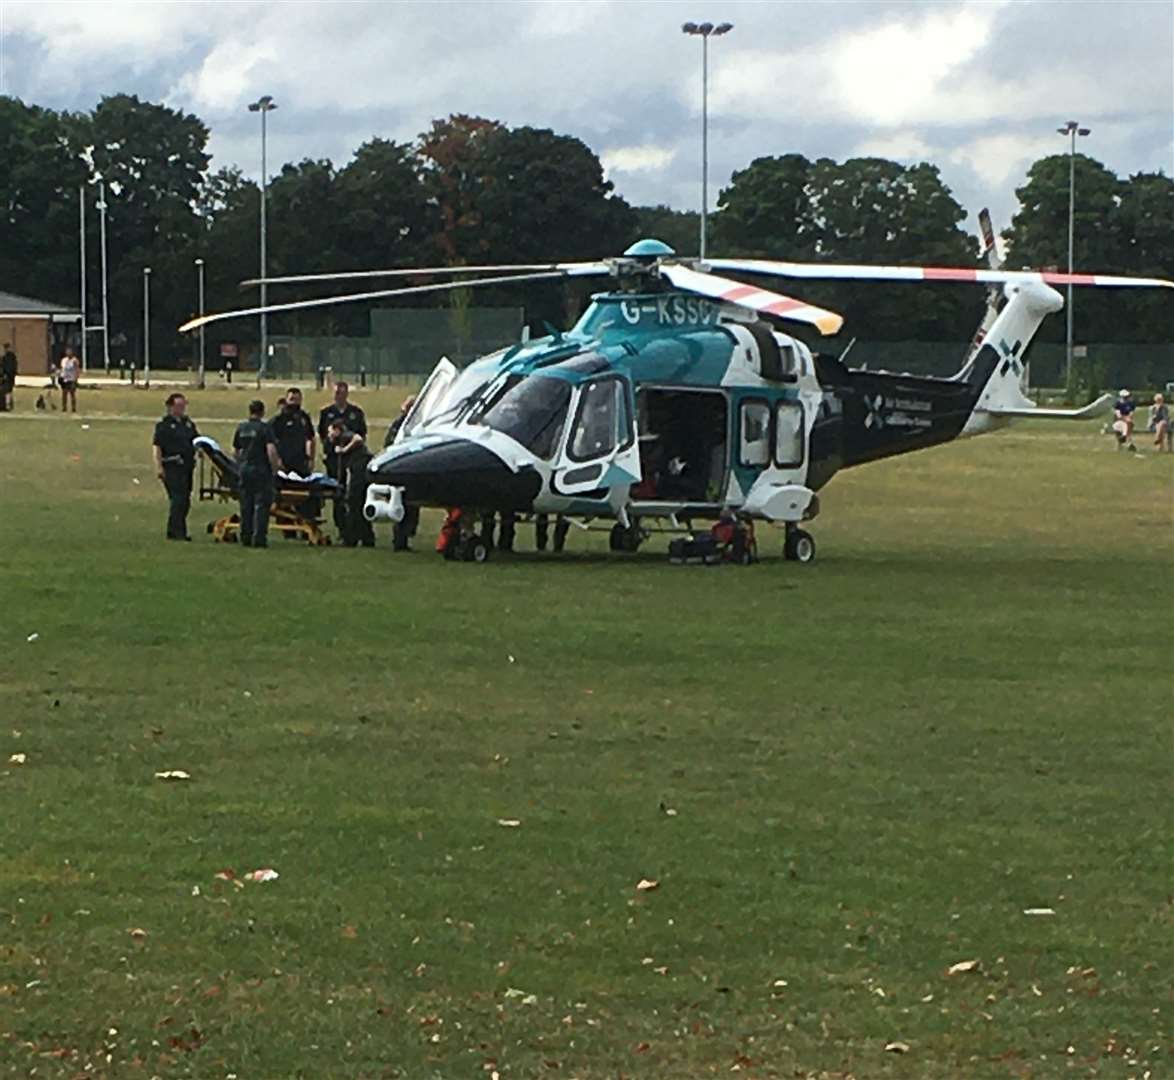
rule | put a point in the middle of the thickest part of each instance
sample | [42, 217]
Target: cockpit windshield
[530, 409]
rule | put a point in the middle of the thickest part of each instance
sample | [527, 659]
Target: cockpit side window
[603, 421]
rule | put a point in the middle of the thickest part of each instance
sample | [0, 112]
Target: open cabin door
[600, 456]
[430, 397]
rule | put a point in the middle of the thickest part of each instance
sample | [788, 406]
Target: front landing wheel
[474, 549]
[799, 546]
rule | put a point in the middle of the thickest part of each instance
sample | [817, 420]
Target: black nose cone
[461, 473]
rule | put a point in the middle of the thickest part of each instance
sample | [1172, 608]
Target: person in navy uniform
[175, 459]
[293, 431]
[353, 419]
[353, 458]
[1123, 409]
[256, 455]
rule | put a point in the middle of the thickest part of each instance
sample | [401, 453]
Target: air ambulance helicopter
[678, 397]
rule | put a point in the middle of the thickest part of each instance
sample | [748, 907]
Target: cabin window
[788, 434]
[754, 434]
[603, 421]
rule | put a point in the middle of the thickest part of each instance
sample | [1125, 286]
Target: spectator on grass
[70, 372]
[1123, 410]
[1160, 423]
[8, 368]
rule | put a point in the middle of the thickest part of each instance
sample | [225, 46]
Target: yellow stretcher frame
[285, 517]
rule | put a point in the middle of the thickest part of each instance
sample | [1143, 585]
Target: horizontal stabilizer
[1099, 407]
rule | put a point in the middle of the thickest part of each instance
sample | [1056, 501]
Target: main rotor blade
[326, 301]
[576, 269]
[752, 297]
[850, 271]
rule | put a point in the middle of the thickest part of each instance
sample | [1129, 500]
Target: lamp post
[105, 305]
[1071, 129]
[81, 202]
[705, 31]
[264, 105]
[146, 326]
[200, 301]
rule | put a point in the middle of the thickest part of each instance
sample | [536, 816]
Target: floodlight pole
[705, 31]
[81, 202]
[1071, 129]
[264, 105]
[146, 326]
[105, 305]
[200, 301]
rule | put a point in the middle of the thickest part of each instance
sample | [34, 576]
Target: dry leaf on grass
[508, 823]
[647, 885]
[349, 931]
[173, 774]
[17, 759]
[962, 967]
[1039, 911]
[897, 1048]
[137, 932]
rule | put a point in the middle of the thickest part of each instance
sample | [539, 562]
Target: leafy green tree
[40, 173]
[766, 211]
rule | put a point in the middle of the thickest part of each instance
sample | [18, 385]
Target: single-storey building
[37, 331]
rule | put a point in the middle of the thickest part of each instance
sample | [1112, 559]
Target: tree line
[472, 190]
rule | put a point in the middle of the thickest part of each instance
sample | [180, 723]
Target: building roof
[12, 304]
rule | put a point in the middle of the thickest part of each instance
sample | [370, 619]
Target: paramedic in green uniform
[175, 458]
[256, 455]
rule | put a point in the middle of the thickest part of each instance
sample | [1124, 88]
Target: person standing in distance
[353, 419]
[293, 431]
[8, 368]
[175, 458]
[71, 368]
[256, 456]
[1123, 409]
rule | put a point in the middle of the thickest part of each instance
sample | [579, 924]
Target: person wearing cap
[353, 459]
[256, 456]
[1123, 409]
[353, 419]
[1160, 423]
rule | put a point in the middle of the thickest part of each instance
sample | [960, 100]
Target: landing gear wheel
[474, 549]
[625, 539]
[799, 546]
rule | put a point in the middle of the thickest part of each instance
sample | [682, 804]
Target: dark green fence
[403, 341]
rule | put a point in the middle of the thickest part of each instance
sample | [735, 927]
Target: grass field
[845, 778]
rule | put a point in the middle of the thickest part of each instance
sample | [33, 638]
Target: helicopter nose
[461, 473]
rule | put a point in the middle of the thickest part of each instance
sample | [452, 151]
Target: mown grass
[876, 763]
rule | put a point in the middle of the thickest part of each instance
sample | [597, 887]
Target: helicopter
[678, 397]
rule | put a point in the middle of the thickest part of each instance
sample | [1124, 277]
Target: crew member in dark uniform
[256, 455]
[403, 530]
[353, 458]
[293, 431]
[353, 420]
[175, 458]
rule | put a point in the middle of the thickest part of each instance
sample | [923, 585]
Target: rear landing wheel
[474, 549]
[799, 546]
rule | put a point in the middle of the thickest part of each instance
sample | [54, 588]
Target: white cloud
[630, 159]
[899, 146]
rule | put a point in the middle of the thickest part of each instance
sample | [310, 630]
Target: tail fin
[997, 371]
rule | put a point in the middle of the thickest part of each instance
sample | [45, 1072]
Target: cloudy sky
[976, 87]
